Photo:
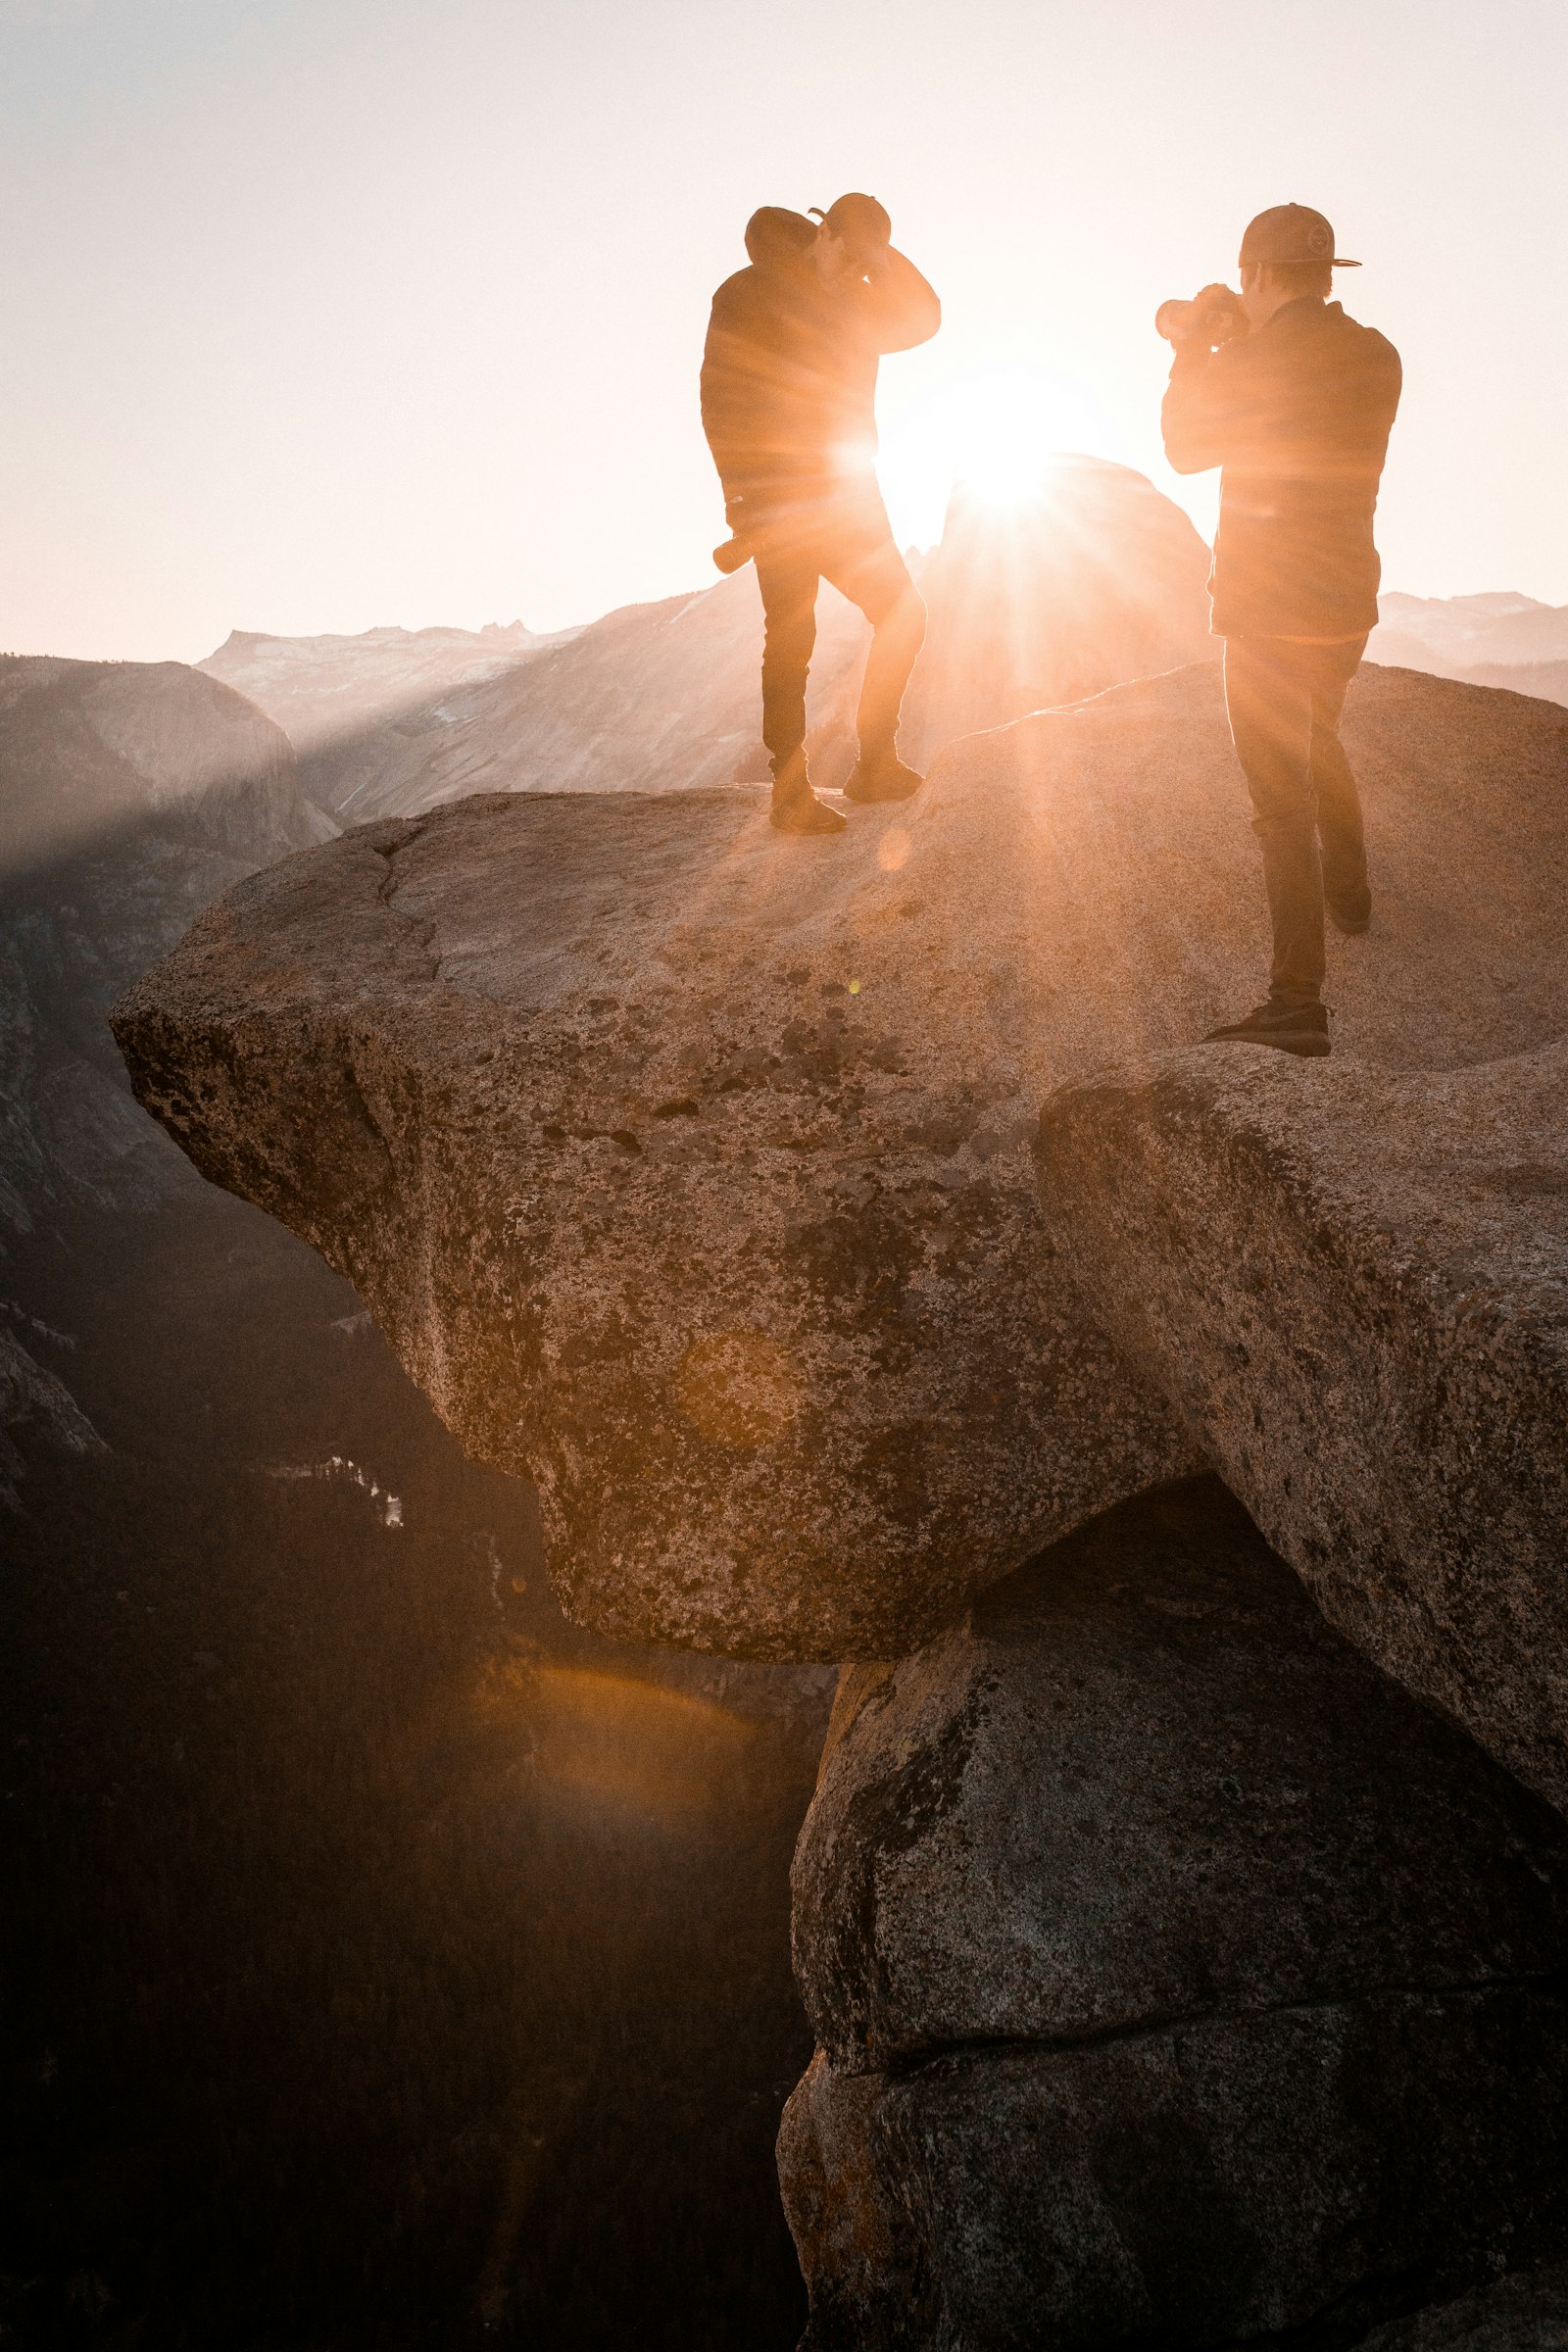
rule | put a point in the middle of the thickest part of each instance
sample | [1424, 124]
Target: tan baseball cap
[1291, 233]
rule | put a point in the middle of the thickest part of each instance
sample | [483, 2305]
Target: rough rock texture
[1351, 1278]
[1100, 580]
[688, 1167]
[1178, 1979]
[1524, 2312]
[1353, 1286]
[37, 1412]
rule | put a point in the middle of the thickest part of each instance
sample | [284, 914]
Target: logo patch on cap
[1319, 239]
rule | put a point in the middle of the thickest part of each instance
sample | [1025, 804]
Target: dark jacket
[788, 370]
[1297, 414]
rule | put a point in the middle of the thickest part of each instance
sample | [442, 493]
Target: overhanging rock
[688, 1167]
[1354, 1286]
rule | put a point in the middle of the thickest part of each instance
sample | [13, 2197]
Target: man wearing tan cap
[1295, 402]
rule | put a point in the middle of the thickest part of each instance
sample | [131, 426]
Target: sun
[992, 433]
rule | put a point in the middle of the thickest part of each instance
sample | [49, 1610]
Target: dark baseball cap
[1291, 233]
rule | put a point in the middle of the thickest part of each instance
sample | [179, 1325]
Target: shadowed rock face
[688, 1167]
[1177, 1979]
[1527, 2313]
[133, 793]
[94, 751]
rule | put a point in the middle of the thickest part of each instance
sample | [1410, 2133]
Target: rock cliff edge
[700, 1175]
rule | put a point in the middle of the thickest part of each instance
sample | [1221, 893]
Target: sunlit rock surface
[1349, 1278]
[689, 1167]
[1177, 1979]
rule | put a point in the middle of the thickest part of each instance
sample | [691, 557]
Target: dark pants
[1284, 699]
[848, 542]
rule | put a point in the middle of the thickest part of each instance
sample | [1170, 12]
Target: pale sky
[325, 314]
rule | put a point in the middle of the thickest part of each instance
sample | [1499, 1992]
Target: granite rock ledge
[688, 1169]
[1354, 1286]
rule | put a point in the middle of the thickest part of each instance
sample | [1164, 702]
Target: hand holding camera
[1212, 317]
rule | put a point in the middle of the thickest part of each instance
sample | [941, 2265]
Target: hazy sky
[320, 314]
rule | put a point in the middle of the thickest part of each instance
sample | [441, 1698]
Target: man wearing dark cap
[1295, 402]
[789, 408]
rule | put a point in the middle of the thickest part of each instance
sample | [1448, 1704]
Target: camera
[1215, 316]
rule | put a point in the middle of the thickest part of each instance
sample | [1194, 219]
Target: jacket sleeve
[1202, 413]
[1391, 381]
[731, 391]
[901, 307]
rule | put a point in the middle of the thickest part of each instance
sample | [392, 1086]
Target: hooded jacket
[789, 370]
[1298, 414]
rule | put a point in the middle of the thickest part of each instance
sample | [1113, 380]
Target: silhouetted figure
[1294, 401]
[789, 408]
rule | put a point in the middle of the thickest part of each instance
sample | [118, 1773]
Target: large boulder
[689, 1166]
[1177, 1979]
[1352, 1285]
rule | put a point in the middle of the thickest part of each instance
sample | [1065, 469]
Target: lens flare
[991, 434]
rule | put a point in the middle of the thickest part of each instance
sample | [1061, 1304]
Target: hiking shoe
[883, 779]
[1294, 1028]
[1352, 912]
[801, 812]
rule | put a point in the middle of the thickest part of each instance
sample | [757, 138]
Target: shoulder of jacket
[1372, 345]
[737, 292]
[1357, 327]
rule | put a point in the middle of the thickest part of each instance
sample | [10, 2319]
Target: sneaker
[1294, 1028]
[884, 778]
[801, 812]
[1352, 912]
